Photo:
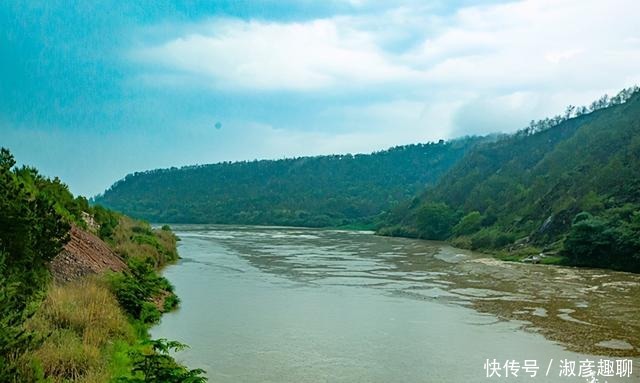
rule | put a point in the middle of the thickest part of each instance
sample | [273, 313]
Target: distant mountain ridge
[319, 191]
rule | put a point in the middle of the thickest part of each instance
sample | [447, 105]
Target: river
[272, 304]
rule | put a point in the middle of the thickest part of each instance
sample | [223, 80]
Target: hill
[79, 287]
[317, 191]
[568, 185]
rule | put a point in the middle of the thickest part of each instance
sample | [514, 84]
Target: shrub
[469, 224]
[435, 221]
[398, 231]
[136, 288]
[154, 364]
[171, 302]
[503, 239]
[462, 242]
[611, 242]
[149, 313]
[482, 239]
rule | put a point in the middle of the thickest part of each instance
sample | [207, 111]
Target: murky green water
[302, 305]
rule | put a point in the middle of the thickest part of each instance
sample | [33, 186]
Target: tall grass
[132, 238]
[82, 327]
[86, 336]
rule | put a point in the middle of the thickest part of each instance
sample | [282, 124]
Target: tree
[469, 224]
[32, 232]
[435, 221]
[590, 242]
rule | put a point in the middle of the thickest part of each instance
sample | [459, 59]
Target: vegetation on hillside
[89, 330]
[32, 232]
[568, 185]
[317, 191]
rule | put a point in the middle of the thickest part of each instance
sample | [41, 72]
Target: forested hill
[568, 185]
[317, 191]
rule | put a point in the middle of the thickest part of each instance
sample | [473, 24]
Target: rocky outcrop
[83, 255]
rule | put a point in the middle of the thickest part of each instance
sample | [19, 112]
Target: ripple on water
[547, 297]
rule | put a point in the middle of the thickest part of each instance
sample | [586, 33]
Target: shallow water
[270, 304]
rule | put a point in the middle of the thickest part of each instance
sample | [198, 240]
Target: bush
[398, 231]
[149, 313]
[136, 288]
[107, 221]
[482, 240]
[435, 221]
[491, 239]
[462, 242]
[610, 242]
[171, 302]
[503, 239]
[469, 224]
[153, 364]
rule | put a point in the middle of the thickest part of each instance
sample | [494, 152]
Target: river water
[272, 304]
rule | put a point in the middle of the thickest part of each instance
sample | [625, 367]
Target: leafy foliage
[154, 364]
[311, 191]
[612, 240]
[136, 288]
[468, 224]
[435, 220]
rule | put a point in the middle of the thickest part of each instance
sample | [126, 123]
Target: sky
[93, 90]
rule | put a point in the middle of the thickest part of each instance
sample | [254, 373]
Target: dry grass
[136, 239]
[167, 240]
[81, 322]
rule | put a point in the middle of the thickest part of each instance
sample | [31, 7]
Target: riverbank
[93, 323]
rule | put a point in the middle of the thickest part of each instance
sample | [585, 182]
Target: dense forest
[93, 328]
[567, 187]
[320, 191]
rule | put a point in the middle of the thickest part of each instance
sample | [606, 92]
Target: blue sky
[91, 91]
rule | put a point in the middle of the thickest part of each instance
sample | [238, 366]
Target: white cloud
[480, 69]
[529, 43]
[292, 56]
[533, 44]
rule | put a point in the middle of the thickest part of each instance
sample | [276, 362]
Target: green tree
[435, 221]
[32, 232]
[590, 242]
[468, 224]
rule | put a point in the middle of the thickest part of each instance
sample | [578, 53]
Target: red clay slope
[84, 254]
